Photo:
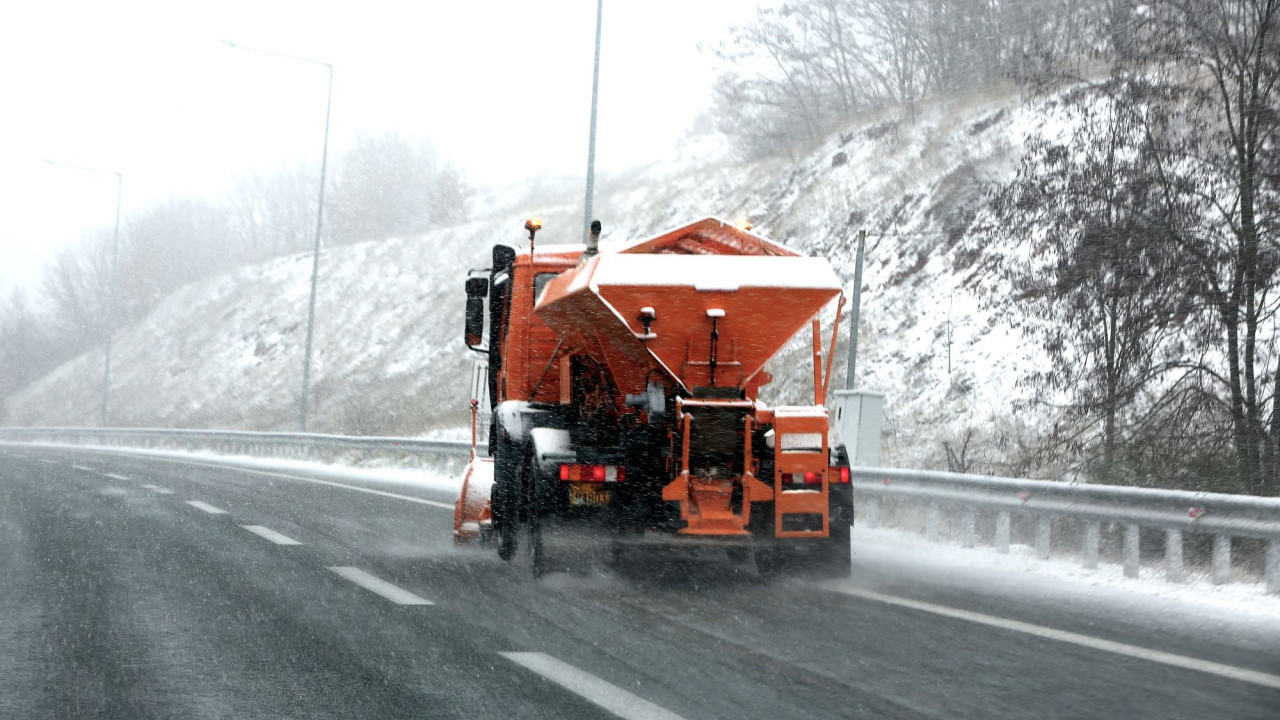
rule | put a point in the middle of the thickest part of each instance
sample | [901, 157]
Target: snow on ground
[1064, 581]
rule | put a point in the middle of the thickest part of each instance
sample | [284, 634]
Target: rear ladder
[799, 422]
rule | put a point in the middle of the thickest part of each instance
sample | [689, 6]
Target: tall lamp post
[591, 143]
[315, 254]
[111, 285]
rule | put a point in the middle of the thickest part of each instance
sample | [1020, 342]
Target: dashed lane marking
[584, 684]
[81, 467]
[376, 585]
[206, 507]
[158, 489]
[1182, 661]
[271, 535]
[48, 462]
[116, 477]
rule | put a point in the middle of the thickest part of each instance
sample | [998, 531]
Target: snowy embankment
[227, 352]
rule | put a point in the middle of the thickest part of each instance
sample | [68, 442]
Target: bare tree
[382, 188]
[806, 64]
[450, 199]
[1223, 56]
[274, 214]
[168, 245]
[76, 283]
[1096, 284]
[26, 350]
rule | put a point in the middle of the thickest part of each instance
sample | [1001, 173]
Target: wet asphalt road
[119, 598]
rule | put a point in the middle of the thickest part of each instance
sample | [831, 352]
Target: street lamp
[315, 254]
[591, 143]
[111, 285]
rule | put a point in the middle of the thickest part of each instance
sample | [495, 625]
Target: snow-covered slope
[389, 359]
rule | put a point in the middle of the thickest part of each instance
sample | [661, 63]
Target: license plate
[582, 494]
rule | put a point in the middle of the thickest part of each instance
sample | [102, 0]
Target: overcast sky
[147, 89]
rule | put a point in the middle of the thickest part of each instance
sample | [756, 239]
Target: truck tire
[834, 556]
[538, 565]
[522, 536]
[506, 542]
[506, 498]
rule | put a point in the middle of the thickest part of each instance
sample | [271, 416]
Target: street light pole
[591, 143]
[315, 253]
[111, 284]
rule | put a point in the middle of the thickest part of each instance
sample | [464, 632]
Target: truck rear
[624, 391]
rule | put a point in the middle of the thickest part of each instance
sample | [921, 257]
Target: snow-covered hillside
[389, 359]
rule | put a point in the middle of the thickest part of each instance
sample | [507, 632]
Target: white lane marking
[373, 584]
[116, 477]
[271, 535]
[48, 462]
[158, 489]
[606, 695]
[371, 491]
[1182, 661]
[357, 488]
[81, 467]
[206, 507]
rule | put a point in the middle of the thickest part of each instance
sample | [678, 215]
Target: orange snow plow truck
[623, 388]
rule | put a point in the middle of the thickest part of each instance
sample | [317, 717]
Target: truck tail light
[842, 477]
[809, 478]
[573, 472]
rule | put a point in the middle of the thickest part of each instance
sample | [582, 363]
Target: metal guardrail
[260, 444]
[1176, 512]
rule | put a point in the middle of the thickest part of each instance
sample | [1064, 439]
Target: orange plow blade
[472, 514]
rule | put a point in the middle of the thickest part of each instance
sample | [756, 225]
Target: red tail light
[592, 473]
[844, 474]
[812, 478]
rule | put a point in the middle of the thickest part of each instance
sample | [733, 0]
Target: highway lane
[123, 600]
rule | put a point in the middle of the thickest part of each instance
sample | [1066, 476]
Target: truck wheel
[834, 556]
[538, 565]
[510, 465]
[506, 540]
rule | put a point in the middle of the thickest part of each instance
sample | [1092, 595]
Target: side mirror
[477, 289]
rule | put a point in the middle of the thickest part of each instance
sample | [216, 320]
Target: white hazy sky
[147, 89]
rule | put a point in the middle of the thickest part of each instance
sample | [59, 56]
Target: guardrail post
[1273, 567]
[1002, 532]
[873, 512]
[1131, 554]
[931, 522]
[1221, 559]
[968, 519]
[1092, 535]
[1042, 536]
[1173, 570]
